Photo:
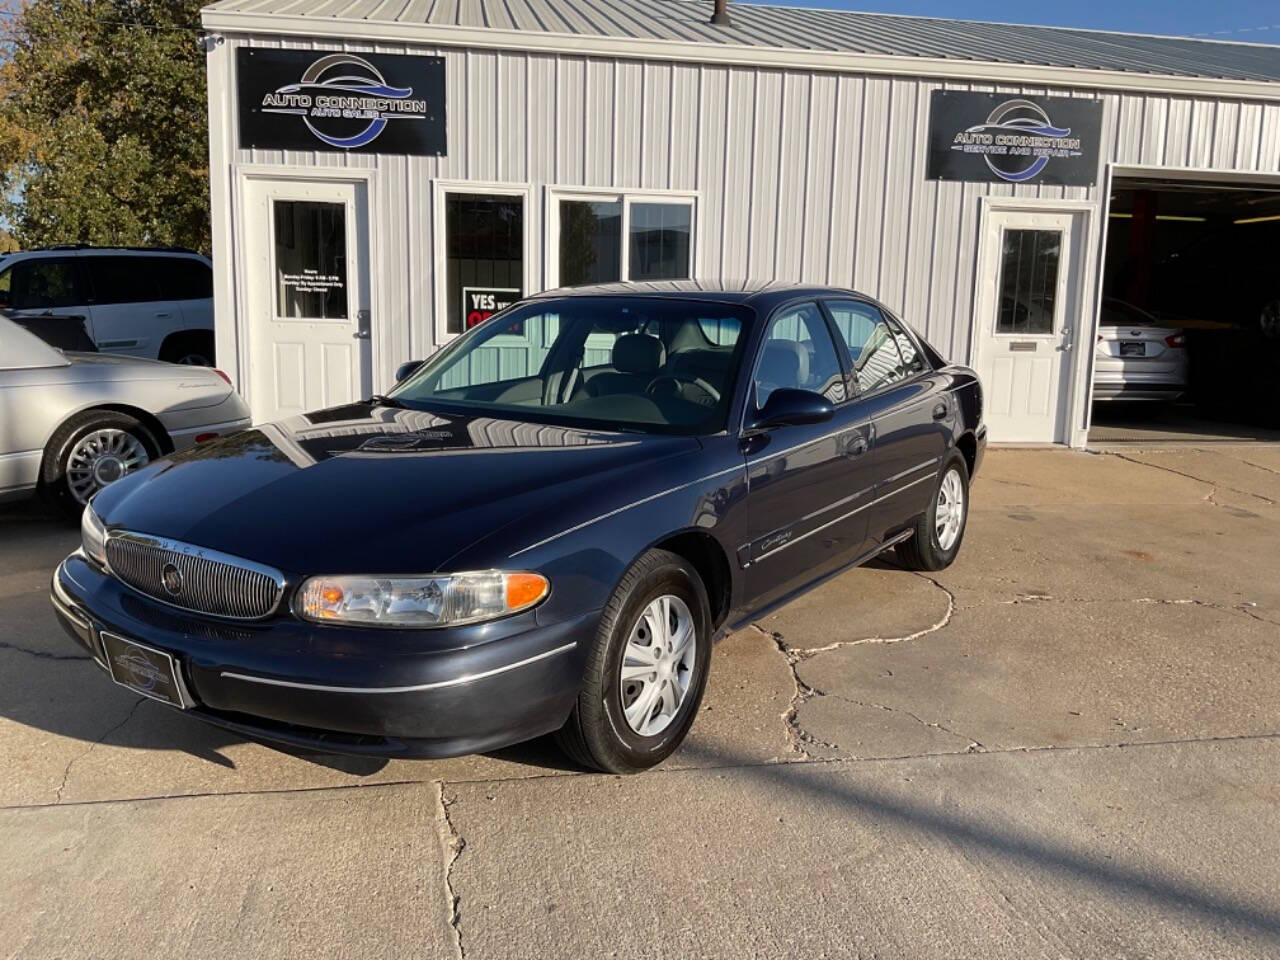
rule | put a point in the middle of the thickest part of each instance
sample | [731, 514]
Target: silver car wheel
[194, 360]
[948, 517]
[657, 665]
[101, 457]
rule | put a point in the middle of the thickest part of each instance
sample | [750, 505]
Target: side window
[116, 279]
[873, 348]
[183, 278]
[44, 285]
[912, 361]
[6, 288]
[798, 353]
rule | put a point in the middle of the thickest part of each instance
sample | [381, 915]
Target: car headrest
[780, 365]
[638, 353]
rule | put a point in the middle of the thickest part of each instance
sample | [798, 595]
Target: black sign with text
[481, 303]
[1002, 138]
[344, 102]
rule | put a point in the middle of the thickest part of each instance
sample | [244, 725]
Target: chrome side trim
[843, 516]
[911, 470]
[416, 688]
[613, 513]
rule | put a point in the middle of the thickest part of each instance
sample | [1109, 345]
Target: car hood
[374, 489]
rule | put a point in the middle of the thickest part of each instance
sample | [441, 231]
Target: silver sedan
[71, 423]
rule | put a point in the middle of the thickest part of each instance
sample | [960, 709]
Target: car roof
[750, 292]
[80, 249]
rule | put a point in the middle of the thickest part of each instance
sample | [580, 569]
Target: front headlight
[93, 537]
[444, 600]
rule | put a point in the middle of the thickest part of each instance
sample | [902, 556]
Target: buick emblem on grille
[171, 577]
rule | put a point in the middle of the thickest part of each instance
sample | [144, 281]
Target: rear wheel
[194, 348]
[90, 451]
[940, 530]
[647, 670]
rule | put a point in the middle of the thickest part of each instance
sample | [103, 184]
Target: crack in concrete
[66, 773]
[973, 745]
[1241, 608]
[1211, 496]
[42, 654]
[797, 736]
[451, 847]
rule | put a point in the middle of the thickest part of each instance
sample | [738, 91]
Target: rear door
[52, 286]
[910, 414]
[808, 485]
[186, 286]
[129, 313]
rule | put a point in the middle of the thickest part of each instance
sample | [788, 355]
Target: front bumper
[344, 690]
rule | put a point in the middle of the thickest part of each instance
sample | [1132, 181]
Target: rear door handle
[855, 446]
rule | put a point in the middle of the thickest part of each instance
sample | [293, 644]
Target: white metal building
[460, 153]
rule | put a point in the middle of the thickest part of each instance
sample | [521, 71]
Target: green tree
[103, 123]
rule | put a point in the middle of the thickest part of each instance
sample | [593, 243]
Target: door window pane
[1029, 281]
[184, 278]
[659, 240]
[913, 361]
[590, 242]
[798, 353]
[311, 260]
[484, 256]
[122, 279]
[44, 285]
[873, 349]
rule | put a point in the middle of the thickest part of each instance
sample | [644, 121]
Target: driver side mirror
[789, 407]
[406, 370]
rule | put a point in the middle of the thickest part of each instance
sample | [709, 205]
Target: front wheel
[647, 670]
[940, 530]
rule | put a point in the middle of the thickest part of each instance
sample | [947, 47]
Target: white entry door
[308, 275]
[1028, 321]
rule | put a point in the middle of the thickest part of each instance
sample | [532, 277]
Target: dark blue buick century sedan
[542, 528]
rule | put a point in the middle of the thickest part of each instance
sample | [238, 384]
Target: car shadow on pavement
[1009, 842]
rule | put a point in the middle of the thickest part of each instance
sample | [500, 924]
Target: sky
[1250, 21]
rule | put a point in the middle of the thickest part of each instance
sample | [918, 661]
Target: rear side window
[44, 285]
[912, 361]
[122, 279]
[183, 278]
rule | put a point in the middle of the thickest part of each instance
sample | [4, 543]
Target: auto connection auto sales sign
[343, 102]
[1000, 138]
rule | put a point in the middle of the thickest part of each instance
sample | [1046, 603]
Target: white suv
[153, 302]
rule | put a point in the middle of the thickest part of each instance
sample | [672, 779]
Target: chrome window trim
[415, 688]
[198, 553]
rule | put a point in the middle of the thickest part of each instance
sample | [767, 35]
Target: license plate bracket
[1133, 348]
[144, 670]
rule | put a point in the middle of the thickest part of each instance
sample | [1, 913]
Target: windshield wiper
[379, 400]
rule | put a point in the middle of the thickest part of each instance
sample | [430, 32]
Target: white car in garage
[71, 423]
[1138, 357]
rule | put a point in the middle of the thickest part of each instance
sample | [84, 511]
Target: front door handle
[940, 411]
[855, 446]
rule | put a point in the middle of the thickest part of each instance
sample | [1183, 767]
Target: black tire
[54, 486]
[922, 551]
[597, 734]
[194, 347]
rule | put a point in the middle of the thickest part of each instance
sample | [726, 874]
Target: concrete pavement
[1065, 745]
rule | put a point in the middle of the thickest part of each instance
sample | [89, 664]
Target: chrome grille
[210, 582]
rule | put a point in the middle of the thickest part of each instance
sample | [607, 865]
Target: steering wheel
[698, 382]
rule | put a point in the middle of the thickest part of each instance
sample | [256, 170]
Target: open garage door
[1188, 346]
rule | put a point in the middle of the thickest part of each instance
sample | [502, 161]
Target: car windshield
[649, 364]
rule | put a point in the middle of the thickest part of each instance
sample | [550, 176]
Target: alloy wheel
[658, 665]
[949, 514]
[101, 457]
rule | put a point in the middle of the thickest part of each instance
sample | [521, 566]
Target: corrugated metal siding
[807, 29]
[798, 176]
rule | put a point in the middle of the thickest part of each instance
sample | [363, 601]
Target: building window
[659, 235]
[1029, 282]
[617, 237]
[311, 260]
[484, 256]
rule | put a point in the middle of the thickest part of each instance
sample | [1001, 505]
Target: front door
[308, 274]
[1027, 320]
